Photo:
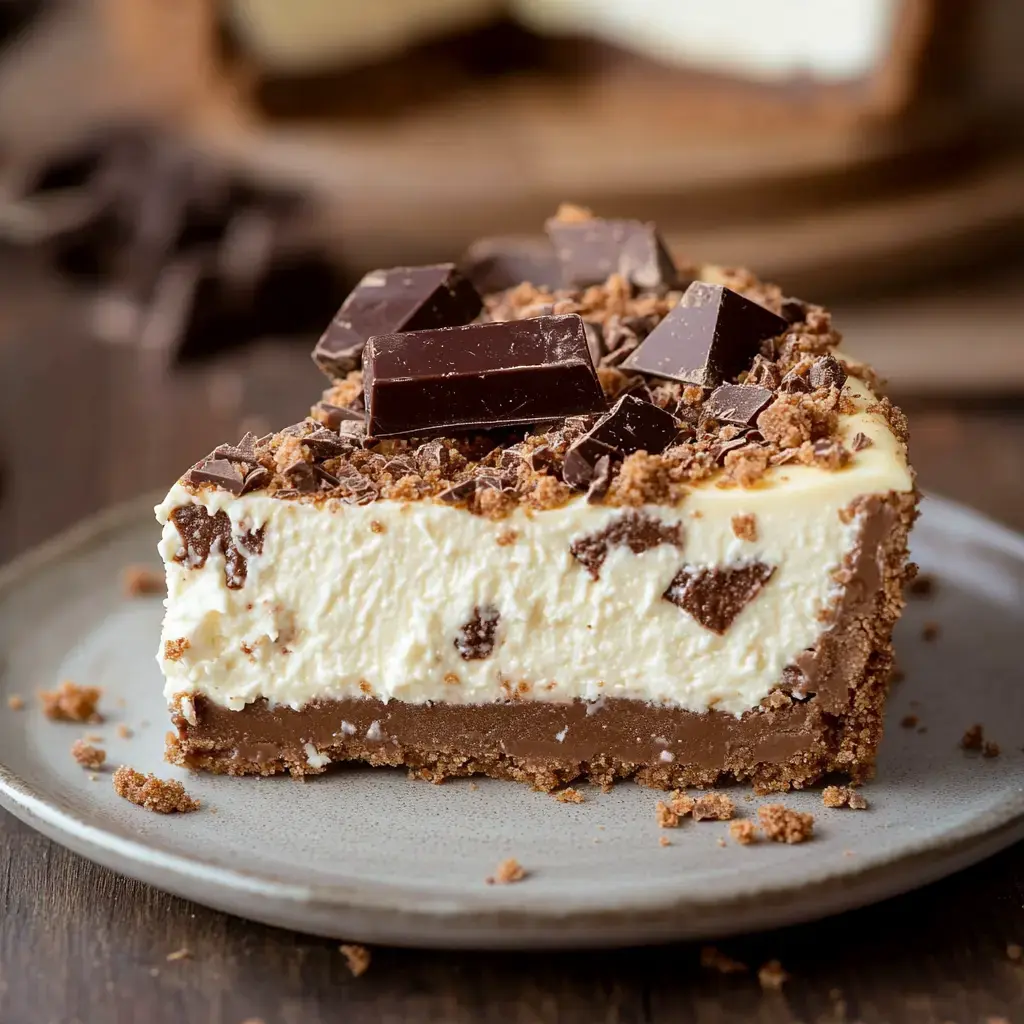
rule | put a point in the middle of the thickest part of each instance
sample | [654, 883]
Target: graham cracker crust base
[825, 717]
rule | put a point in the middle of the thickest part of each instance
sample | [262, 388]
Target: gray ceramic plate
[372, 856]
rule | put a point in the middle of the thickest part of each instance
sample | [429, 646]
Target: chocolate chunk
[600, 481]
[244, 451]
[388, 301]
[495, 264]
[795, 383]
[714, 597]
[827, 372]
[256, 478]
[477, 637]
[860, 442]
[720, 449]
[462, 491]
[479, 377]
[401, 466]
[432, 456]
[202, 535]
[764, 373]
[327, 444]
[302, 476]
[737, 403]
[595, 341]
[636, 530]
[338, 414]
[710, 337]
[794, 311]
[589, 251]
[219, 472]
[632, 425]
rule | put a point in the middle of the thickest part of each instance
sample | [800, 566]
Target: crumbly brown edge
[843, 735]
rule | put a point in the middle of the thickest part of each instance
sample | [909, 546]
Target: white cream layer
[346, 600]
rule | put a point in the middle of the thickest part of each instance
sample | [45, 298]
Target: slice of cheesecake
[650, 524]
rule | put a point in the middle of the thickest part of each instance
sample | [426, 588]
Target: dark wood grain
[81, 944]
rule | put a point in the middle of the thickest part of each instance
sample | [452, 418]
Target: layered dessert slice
[651, 523]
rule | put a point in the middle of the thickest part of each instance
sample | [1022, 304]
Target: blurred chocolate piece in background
[184, 255]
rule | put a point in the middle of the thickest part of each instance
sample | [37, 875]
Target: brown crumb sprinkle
[87, 755]
[124, 731]
[783, 825]
[159, 795]
[922, 585]
[771, 976]
[908, 722]
[174, 650]
[843, 796]
[973, 737]
[569, 796]
[72, 703]
[713, 807]
[356, 957]
[930, 632]
[508, 871]
[664, 841]
[990, 749]
[743, 832]
[507, 537]
[745, 526]
[713, 959]
[141, 581]
[377, 527]
[15, 702]
[665, 816]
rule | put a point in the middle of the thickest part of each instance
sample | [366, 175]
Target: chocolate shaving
[714, 597]
[476, 639]
[737, 403]
[860, 442]
[638, 531]
[600, 481]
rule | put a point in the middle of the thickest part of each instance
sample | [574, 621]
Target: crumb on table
[973, 737]
[664, 841]
[843, 796]
[781, 824]
[990, 749]
[180, 954]
[922, 585]
[356, 957]
[743, 832]
[159, 795]
[16, 702]
[713, 807]
[508, 871]
[124, 731]
[908, 722]
[771, 976]
[87, 755]
[71, 703]
[665, 816]
[140, 581]
[930, 631]
[569, 796]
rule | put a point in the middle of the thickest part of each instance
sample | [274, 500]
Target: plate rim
[404, 915]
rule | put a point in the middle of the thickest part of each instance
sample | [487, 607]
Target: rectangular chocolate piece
[737, 403]
[710, 337]
[589, 251]
[399, 299]
[479, 376]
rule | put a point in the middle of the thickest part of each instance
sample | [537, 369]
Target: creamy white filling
[353, 600]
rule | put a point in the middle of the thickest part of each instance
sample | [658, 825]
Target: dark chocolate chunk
[302, 476]
[338, 414]
[479, 377]
[737, 403]
[636, 530]
[860, 442]
[595, 341]
[256, 478]
[589, 251]
[462, 491]
[202, 535]
[794, 311]
[720, 449]
[795, 383]
[327, 444]
[495, 264]
[388, 301]
[477, 637]
[764, 373]
[632, 425]
[827, 372]
[600, 481]
[714, 597]
[400, 466]
[432, 456]
[710, 337]
[244, 451]
[219, 472]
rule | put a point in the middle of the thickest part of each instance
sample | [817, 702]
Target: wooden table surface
[82, 425]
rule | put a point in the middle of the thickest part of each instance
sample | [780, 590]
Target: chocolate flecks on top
[781, 396]
[714, 597]
[476, 639]
[202, 535]
[637, 531]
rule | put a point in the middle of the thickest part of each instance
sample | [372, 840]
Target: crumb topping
[72, 703]
[327, 456]
[159, 795]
